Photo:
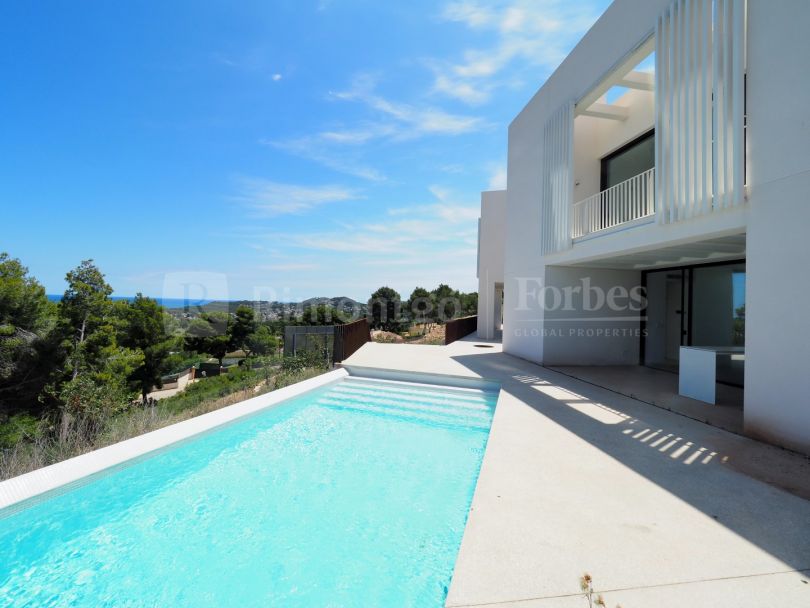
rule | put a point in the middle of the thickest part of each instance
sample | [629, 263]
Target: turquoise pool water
[355, 494]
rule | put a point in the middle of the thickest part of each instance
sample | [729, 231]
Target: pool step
[393, 402]
[423, 413]
[423, 397]
[449, 392]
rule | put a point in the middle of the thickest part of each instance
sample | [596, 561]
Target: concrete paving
[660, 388]
[660, 509]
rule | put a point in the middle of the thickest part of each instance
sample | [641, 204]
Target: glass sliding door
[695, 306]
[667, 297]
[718, 315]
[628, 161]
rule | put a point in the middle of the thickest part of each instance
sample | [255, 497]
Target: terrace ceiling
[710, 250]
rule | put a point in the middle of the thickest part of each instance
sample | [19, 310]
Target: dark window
[628, 161]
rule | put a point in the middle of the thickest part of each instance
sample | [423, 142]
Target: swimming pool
[353, 494]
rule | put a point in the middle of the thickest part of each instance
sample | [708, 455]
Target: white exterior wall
[624, 25]
[777, 384]
[775, 216]
[491, 244]
[576, 330]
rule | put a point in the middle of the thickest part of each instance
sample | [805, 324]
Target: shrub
[19, 428]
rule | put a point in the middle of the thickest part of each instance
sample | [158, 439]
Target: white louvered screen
[699, 123]
[557, 186]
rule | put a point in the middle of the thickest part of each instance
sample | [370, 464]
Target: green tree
[89, 324]
[322, 314]
[26, 320]
[84, 318]
[421, 306]
[209, 334]
[243, 325]
[469, 303]
[262, 341]
[447, 302]
[144, 329]
[384, 308]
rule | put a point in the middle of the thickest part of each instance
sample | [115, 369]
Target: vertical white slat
[695, 106]
[556, 181]
[552, 155]
[613, 205]
[686, 58]
[682, 113]
[661, 95]
[625, 203]
[597, 215]
[569, 162]
[632, 200]
[720, 103]
[697, 81]
[658, 101]
[673, 111]
[556, 172]
[706, 101]
[548, 151]
[728, 85]
[717, 45]
[544, 199]
[737, 93]
[670, 180]
[555, 143]
[662, 130]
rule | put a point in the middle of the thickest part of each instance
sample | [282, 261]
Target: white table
[697, 377]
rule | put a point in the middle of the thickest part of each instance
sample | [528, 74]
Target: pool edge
[52, 477]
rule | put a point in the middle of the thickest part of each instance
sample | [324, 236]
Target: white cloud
[439, 228]
[276, 77]
[291, 266]
[446, 210]
[269, 198]
[471, 13]
[406, 121]
[317, 149]
[394, 121]
[528, 34]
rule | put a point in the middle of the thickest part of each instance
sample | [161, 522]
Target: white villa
[658, 207]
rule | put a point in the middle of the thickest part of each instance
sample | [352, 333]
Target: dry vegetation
[432, 333]
[83, 437]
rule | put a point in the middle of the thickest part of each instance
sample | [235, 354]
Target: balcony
[628, 201]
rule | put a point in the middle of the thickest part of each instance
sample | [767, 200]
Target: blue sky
[275, 150]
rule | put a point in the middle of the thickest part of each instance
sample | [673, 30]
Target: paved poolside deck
[660, 509]
[660, 388]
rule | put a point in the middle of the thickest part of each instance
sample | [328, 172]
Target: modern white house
[491, 244]
[658, 206]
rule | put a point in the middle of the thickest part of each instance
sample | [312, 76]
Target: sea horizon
[166, 302]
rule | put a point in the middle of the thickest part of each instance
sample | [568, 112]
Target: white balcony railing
[630, 200]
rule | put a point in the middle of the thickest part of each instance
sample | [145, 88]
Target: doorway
[699, 305]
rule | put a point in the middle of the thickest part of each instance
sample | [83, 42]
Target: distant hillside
[341, 302]
[272, 310]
